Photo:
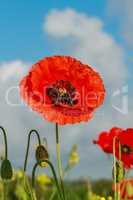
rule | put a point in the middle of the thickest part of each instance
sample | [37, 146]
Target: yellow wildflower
[74, 157]
[102, 198]
[43, 179]
[19, 174]
[110, 198]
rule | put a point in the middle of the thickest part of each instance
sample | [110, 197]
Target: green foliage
[17, 189]
[102, 187]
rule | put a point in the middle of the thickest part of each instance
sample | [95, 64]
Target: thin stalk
[29, 189]
[28, 146]
[6, 157]
[119, 146]
[53, 172]
[5, 191]
[114, 166]
[34, 195]
[53, 194]
[59, 163]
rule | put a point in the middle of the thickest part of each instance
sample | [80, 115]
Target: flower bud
[42, 154]
[6, 170]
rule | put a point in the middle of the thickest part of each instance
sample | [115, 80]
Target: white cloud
[122, 9]
[91, 43]
[13, 69]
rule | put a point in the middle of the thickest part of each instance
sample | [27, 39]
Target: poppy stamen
[126, 149]
[62, 92]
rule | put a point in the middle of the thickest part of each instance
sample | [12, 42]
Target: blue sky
[21, 25]
[99, 33]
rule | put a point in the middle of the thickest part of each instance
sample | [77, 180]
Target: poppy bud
[6, 170]
[42, 154]
[120, 171]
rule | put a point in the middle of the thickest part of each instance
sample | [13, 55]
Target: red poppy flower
[105, 139]
[126, 142]
[63, 90]
[126, 188]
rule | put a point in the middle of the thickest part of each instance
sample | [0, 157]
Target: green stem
[114, 151]
[28, 188]
[53, 171]
[5, 191]
[119, 149]
[6, 157]
[5, 141]
[28, 146]
[59, 163]
[53, 194]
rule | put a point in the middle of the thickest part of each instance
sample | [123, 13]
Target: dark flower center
[62, 92]
[126, 149]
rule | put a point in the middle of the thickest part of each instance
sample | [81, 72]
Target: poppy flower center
[62, 92]
[126, 149]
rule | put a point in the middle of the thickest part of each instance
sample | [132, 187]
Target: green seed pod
[42, 154]
[120, 171]
[6, 170]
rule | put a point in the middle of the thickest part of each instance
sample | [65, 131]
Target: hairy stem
[59, 163]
